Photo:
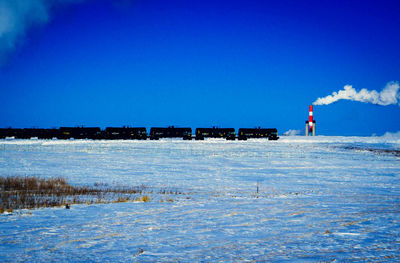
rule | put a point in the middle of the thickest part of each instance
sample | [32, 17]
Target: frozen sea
[319, 199]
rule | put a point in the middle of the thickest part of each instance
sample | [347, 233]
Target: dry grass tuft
[143, 198]
[34, 192]
[121, 200]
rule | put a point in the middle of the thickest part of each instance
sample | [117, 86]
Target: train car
[126, 133]
[3, 133]
[202, 133]
[157, 133]
[80, 133]
[227, 133]
[48, 134]
[10, 133]
[272, 133]
[29, 133]
[246, 133]
[170, 132]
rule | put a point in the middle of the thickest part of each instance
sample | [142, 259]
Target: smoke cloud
[390, 95]
[17, 16]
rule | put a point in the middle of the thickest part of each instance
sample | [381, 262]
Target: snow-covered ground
[319, 199]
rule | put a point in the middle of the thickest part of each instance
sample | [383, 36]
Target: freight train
[138, 133]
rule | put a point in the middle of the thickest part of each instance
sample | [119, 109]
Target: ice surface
[320, 198]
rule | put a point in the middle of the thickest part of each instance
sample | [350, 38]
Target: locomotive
[138, 133]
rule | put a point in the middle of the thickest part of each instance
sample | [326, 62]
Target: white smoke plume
[17, 16]
[388, 96]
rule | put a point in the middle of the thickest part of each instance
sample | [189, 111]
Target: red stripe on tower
[310, 118]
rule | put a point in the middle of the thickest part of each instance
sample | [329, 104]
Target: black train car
[10, 132]
[29, 133]
[39, 133]
[50, 134]
[3, 133]
[80, 133]
[245, 133]
[227, 133]
[170, 132]
[126, 133]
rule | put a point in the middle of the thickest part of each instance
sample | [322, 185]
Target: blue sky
[204, 63]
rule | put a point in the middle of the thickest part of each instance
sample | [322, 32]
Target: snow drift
[292, 132]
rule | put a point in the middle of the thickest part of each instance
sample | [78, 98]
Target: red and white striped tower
[310, 119]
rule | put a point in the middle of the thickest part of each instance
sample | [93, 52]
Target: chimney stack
[310, 124]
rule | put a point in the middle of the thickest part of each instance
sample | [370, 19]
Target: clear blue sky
[205, 63]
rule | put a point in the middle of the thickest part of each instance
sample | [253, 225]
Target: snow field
[319, 199]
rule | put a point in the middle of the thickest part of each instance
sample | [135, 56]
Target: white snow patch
[292, 132]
